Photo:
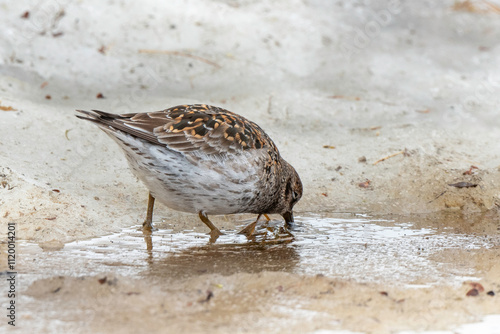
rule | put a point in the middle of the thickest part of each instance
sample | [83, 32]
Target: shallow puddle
[348, 246]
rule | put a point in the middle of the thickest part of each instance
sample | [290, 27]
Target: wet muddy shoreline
[389, 264]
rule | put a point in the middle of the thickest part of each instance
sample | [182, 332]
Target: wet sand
[342, 272]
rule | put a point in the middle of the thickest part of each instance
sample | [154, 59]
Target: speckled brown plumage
[204, 159]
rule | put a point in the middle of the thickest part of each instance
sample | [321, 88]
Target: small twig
[59, 15]
[352, 98]
[493, 7]
[389, 156]
[463, 185]
[7, 108]
[182, 54]
[269, 104]
[210, 295]
[66, 133]
[437, 197]
[475, 7]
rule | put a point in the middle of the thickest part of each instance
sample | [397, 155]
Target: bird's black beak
[288, 219]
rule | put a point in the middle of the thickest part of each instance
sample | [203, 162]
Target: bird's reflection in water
[256, 255]
[148, 238]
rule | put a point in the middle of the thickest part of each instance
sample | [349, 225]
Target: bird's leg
[248, 230]
[148, 223]
[215, 233]
[267, 220]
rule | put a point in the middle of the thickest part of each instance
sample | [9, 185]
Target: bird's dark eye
[295, 195]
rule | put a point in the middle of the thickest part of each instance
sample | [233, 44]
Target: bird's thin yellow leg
[266, 224]
[148, 223]
[248, 230]
[215, 233]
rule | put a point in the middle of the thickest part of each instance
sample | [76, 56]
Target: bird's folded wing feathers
[188, 128]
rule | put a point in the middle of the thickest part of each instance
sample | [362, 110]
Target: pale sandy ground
[369, 79]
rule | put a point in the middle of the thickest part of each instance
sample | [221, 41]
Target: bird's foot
[147, 226]
[248, 230]
[284, 232]
[214, 235]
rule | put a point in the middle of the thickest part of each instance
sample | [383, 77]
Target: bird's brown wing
[188, 128]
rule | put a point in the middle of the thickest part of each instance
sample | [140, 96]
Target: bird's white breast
[193, 182]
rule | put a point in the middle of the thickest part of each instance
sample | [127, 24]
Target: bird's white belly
[216, 186]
